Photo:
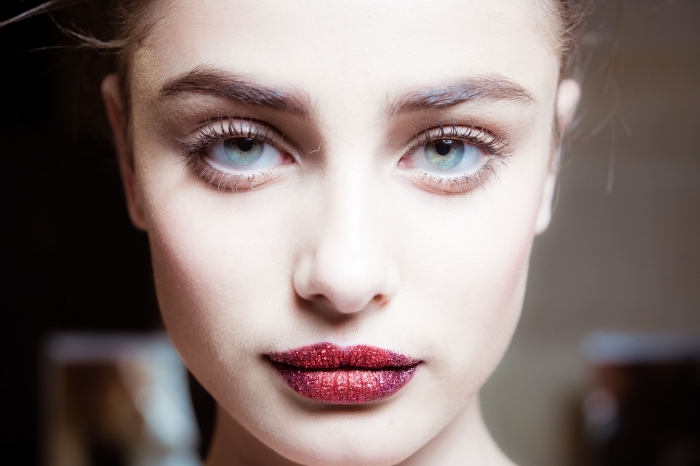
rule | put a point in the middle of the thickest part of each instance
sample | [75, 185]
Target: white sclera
[225, 156]
[472, 158]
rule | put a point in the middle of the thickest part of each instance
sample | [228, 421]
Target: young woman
[341, 199]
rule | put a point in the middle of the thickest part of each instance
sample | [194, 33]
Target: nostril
[321, 299]
[346, 303]
[380, 300]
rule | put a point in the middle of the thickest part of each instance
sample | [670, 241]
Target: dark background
[70, 258]
[622, 253]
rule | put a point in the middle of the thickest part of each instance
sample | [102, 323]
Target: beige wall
[627, 260]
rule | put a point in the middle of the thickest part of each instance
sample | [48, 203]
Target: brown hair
[115, 29]
[129, 22]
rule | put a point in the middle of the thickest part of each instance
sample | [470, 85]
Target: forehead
[360, 47]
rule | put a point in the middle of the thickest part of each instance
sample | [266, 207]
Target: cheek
[472, 287]
[465, 274]
[486, 304]
[221, 271]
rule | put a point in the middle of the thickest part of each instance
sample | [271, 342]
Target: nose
[346, 268]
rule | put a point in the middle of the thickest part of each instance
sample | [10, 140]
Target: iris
[444, 154]
[243, 151]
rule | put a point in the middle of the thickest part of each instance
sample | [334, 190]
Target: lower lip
[347, 386]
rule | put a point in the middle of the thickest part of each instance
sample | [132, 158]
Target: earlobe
[115, 108]
[568, 95]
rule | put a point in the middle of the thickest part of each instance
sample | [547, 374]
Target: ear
[568, 95]
[116, 113]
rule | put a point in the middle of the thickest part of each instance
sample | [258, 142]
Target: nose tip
[345, 264]
[345, 283]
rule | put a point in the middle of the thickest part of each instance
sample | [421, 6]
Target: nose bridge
[347, 267]
[349, 218]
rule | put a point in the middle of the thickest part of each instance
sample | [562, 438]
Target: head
[357, 173]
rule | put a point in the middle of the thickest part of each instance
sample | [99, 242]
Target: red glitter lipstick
[344, 375]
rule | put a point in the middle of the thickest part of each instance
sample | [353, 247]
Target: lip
[344, 375]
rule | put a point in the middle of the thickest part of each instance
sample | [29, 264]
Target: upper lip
[329, 356]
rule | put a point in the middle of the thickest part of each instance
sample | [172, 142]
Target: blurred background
[623, 251]
[604, 369]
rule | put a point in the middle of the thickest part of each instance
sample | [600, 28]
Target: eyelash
[495, 148]
[214, 131]
[487, 141]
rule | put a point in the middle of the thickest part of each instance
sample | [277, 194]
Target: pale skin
[343, 238]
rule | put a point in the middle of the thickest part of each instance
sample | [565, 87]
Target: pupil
[443, 146]
[246, 144]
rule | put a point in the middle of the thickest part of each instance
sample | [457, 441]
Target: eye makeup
[453, 159]
[238, 154]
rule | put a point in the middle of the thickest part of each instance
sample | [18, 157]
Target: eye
[244, 154]
[448, 157]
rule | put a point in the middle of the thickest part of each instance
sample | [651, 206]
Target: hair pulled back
[129, 22]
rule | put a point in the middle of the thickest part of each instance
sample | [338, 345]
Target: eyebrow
[223, 84]
[493, 88]
[228, 85]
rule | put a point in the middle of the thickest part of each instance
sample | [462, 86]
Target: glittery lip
[344, 375]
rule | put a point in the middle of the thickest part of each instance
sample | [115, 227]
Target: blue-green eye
[244, 155]
[448, 157]
[444, 154]
[243, 151]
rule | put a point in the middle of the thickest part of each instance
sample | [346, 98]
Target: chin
[378, 451]
[337, 436]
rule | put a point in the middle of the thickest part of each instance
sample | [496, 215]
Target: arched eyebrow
[223, 84]
[493, 88]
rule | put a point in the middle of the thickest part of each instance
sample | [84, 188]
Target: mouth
[344, 375]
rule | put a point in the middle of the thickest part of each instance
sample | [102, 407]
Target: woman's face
[356, 173]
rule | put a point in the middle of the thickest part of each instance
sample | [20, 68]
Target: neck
[465, 440]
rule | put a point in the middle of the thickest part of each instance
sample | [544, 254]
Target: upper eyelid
[449, 130]
[214, 130]
[497, 145]
[210, 131]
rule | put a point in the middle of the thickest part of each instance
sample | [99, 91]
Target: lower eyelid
[230, 181]
[460, 184]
